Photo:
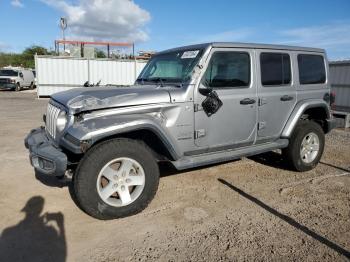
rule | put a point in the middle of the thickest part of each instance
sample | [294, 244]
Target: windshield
[5, 72]
[172, 67]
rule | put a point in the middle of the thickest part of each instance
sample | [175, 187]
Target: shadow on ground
[334, 166]
[167, 169]
[52, 181]
[37, 237]
[288, 220]
[272, 159]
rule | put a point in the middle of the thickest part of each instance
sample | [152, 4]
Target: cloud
[335, 38]
[235, 35]
[4, 46]
[17, 3]
[112, 20]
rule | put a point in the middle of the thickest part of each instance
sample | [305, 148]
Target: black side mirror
[86, 84]
[205, 91]
[21, 75]
[212, 103]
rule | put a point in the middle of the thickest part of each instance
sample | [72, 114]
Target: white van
[16, 78]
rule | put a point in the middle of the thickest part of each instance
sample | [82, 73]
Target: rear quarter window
[311, 69]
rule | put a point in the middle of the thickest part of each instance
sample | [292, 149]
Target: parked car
[191, 106]
[16, 78]
[35, 80]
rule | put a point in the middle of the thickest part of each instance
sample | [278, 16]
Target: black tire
[86, 175]
[31, 87]
[292, 153]
[18, 87]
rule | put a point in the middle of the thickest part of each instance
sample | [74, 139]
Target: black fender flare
[299, 110]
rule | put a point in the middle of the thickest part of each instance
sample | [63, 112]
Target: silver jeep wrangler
[191, 106]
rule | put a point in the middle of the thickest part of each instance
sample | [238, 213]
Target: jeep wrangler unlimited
[191, 106]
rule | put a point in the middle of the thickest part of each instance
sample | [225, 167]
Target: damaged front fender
[97, 129]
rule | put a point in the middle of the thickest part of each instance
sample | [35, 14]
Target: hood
[99, 97]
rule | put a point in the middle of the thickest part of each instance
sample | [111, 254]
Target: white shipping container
[55, 74]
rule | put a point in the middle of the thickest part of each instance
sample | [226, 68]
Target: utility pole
[63, 25]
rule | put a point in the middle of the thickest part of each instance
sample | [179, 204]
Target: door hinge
[262, 101]
[261, 125]
[197, 107]
[199, 133]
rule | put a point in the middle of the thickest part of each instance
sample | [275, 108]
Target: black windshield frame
[8, 72]
[173, 60]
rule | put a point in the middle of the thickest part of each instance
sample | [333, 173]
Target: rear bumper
[331, 124]
[44, 156]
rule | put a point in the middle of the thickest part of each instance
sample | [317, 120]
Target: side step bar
[227, 155]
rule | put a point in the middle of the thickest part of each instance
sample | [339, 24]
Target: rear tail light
[332, 100]
[329, 98]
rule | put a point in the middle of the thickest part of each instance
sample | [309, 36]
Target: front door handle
[247, 101]
[286, 98]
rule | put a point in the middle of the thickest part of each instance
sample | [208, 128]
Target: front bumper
[44, 156]
[7, 86]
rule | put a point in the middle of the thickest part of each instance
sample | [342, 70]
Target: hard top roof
[340, 62]
[245, 45]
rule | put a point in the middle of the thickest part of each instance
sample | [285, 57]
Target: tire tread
[292, 152]
[81, 185]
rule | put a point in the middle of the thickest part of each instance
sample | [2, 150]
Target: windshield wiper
[157, 80]
[141, 79]
[154, 79]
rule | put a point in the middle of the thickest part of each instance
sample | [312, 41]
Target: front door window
[228, 70]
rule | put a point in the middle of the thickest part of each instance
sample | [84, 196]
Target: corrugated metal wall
[55, 74]
[340, 83]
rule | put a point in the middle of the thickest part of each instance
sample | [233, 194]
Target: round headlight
[61, 121]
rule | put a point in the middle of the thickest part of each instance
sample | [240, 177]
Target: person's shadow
[37, 237]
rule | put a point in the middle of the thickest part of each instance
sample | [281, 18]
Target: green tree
[25, 59]
[100, 54]
[28, 55]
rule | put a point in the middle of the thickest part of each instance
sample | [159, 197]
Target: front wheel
[115, 179]
[18, 87]
[305, 147]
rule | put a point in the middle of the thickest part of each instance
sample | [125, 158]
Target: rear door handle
[286, 98]
[247, 101]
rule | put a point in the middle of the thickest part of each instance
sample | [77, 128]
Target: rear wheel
[305, 147]
[115, 179]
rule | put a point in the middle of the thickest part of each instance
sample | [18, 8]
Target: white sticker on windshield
[190, 54]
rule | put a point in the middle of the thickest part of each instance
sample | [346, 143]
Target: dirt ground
[251, 209]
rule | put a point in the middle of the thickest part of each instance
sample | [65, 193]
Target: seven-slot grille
[51, 119]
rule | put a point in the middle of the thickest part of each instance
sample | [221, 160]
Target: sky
[159, 24]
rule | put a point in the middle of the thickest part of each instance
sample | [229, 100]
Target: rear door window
[311, 69]
[275, 69]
